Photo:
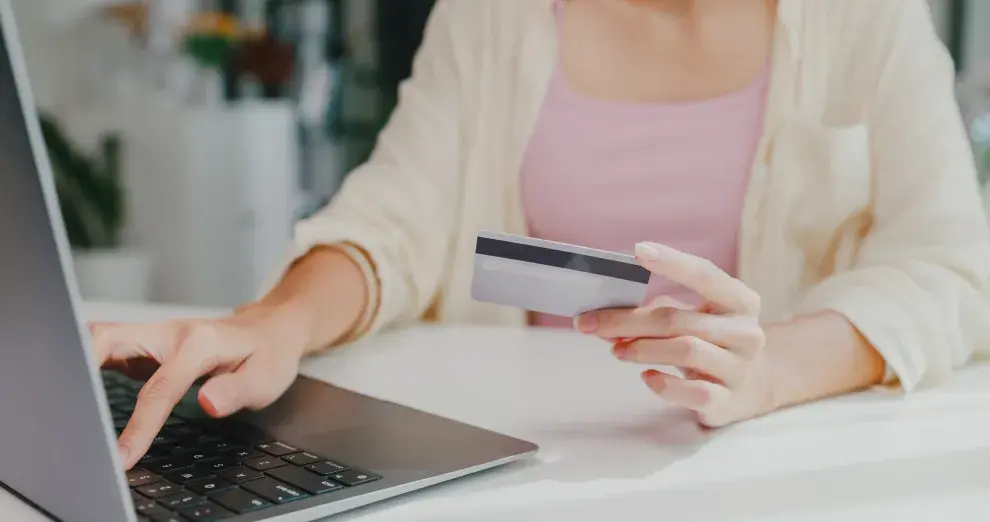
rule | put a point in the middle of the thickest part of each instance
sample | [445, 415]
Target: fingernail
[650, 378]
[214, 403]
[619, 351]
[649, 252]
[586, 323]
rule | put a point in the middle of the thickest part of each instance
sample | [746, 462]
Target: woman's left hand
[718, 347]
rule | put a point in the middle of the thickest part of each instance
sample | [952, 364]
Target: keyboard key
[216, 466]
[167, 517]
[181, 500]
[131, 385]
[138, 498]
[119, 425]
[174, 421]
[154, 454]
[175, 463]
[354, 478]
[162, 440]
[118, 404]
[201, 442]
[194, 438]
[205, 513]
[247, 435]
[117, 395]
[159, 489]
[216, 444]
[188, 474]
[310, 482]
[144, 505]
[239, 501]
[240, 475]
[127, 408]
[181, 431]
[277, 449]
[149, 508]
[121, 404]
[177, 449]
[168, 465]
[274, 490]
[201, 456]
[301, 459]
[326, 468]
[243, 454]
[264, 463]
[207, 486]
[139, 477]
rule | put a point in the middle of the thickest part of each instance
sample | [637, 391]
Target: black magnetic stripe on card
[559, 259]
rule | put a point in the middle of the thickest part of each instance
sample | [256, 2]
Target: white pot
[117, 275]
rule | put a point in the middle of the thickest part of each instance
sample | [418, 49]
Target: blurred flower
[214, 39]
[269, 61]
[133, 15]
[212, 24]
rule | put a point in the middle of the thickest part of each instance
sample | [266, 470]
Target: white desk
[612, 451]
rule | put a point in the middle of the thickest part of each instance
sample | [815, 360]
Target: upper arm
[926, 192]
[918, 287]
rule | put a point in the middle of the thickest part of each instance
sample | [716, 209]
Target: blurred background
[187, 136]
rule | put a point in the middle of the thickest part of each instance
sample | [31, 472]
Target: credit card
[554, 278]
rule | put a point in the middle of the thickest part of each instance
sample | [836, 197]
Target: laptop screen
[57, 449]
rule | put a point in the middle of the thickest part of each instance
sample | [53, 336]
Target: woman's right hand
[252, 357]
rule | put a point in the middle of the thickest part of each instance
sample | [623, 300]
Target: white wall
[42, 58]
[977, 43]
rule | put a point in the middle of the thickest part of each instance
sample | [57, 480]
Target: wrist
[818, 356]
[765, 384]
[780, 379]
[319, 302]
[286, 325]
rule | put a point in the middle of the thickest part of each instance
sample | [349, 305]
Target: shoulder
[854, 46]
[475, 31]
[872, 23]
[477, 13]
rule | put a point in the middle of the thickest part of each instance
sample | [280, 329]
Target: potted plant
[92, 197]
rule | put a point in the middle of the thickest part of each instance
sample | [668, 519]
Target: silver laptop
[319, 451]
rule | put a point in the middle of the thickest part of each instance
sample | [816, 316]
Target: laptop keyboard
[200, 469]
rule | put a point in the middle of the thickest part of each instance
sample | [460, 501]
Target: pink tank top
[608, 175]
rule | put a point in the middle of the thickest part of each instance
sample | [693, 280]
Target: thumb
[248, 387]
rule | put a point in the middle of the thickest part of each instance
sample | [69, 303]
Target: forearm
[819, 356]
[323, 296]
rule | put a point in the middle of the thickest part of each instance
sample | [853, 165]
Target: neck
[680, 7]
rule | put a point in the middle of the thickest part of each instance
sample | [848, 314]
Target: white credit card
[554, 278]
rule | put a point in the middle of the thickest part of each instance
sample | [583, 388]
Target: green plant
[89, 188]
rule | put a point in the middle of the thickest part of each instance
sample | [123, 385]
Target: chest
[610, 175]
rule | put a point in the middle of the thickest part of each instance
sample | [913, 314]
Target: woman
[793, 171]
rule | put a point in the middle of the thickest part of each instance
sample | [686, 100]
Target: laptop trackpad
[370, 433]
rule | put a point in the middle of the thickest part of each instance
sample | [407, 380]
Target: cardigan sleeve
[919, 290]
[395, 214]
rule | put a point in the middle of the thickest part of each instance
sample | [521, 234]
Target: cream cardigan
[863, 197]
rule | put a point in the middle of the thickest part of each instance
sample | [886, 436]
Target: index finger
[701, 276]
[155, 402]
[113, 341]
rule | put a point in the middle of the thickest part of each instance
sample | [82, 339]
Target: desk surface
[611, 449]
